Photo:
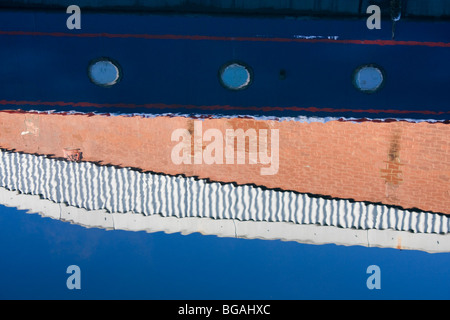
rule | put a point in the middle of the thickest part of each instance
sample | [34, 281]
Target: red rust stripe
[211, 108]
[217, 38]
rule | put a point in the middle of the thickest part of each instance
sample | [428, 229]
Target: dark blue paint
[185, 72]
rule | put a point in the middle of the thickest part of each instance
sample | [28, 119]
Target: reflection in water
[161, 200]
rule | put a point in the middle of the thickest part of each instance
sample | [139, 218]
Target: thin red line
[217, 38]
[211, 108]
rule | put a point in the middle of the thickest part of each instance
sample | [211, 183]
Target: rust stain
[394, 149]
[399, 243]
[190, 128]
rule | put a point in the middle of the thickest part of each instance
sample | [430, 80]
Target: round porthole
[368, 78]
[104, 72]
[235, 76]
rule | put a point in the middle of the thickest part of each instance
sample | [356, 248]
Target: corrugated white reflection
[93, 187]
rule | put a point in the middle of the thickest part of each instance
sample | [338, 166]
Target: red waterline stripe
[217, 38]
[210, 108]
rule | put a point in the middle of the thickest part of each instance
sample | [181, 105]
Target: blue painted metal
[179, 75]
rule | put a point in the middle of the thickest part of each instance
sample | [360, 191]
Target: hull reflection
[119, 198]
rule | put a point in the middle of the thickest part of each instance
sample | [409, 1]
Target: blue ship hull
[170, 65]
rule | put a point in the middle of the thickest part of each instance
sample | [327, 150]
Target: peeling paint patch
[31, 125]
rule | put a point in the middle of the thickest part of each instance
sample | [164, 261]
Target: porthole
[235, 76]
[104, 72]
[368, 78]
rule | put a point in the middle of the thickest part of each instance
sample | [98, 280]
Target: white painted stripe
[311, 234]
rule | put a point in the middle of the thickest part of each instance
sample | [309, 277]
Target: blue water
[36, 252]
